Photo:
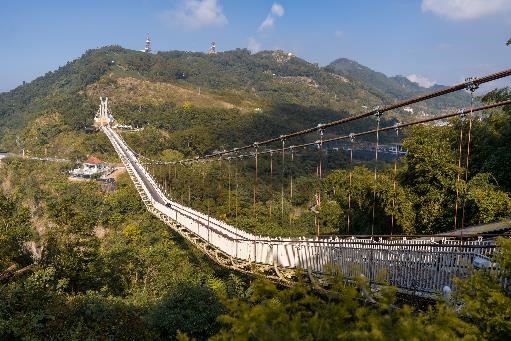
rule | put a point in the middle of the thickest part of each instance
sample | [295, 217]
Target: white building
[90, 168]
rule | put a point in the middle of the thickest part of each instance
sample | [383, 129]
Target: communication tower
[212, 48]
[147, 47]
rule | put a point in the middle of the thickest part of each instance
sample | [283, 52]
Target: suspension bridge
[422, 266]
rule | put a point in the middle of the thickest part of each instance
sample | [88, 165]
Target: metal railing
[424, 266]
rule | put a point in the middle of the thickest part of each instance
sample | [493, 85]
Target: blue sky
[440, 41]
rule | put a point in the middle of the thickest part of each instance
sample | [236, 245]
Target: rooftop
[93, 160]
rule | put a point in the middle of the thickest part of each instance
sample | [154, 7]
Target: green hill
[194, 101]
[397, 87]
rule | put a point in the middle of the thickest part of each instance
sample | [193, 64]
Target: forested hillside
[397, 87]
[168, 89]
[80, 262]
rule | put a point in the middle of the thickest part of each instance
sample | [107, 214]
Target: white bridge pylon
[422, 267]
[104, 115]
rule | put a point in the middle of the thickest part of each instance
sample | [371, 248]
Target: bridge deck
[420, 265]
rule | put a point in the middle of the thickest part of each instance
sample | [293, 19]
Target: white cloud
[465, 9]
[254, 45]
[421, 80]
[276, 10]
[267, 23]
[195, 14]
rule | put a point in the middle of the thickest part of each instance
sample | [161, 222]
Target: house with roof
[91, 168]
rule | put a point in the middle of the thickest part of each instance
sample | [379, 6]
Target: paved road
[52, 159]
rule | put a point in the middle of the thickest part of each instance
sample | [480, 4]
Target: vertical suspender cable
[170, 181]
[458, 176]
[471, 87]
[291, 171]
[291, 181]
[394, 181]
[320, 174]
[237, 185]
[229, 184]
[255, 182]
[378, 117]
[282, 183]
[271, 180]
[189, 185]
[352, 140]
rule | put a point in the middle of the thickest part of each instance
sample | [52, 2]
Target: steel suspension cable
[343, 137]
[378, 118]
[255, 182]
[472, 88]
[320, 175]
[291, 181]
[352, 140]
[237, 190]
[291, 171]
[170, 180]
[271, 181]
[458, 176]
[282, 182]
[448, 90]
[394, 181]
[229, 185]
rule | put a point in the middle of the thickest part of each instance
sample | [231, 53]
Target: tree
[15, 230]
[485, 299]
[389, 202]
[299, 313]
[430, 175]
[189, 309]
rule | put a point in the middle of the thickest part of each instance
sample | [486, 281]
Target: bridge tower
[103, 115]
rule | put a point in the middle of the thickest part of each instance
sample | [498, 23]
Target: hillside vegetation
[269, 86]
[78, 262]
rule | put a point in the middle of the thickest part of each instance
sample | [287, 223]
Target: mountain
[397, 87]
[193, 102]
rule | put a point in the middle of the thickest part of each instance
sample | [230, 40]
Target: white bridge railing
[421, 266]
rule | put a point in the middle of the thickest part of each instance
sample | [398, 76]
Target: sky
[429, 41]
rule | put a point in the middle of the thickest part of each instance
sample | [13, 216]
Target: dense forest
[80, 262]
[416, 194]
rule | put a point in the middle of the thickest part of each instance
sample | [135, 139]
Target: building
[91, 168]
[408, 110]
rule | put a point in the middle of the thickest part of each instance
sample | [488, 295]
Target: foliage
[189, 309]
[491, 136]
[15, 230]
[108, 267]
[390, 201]
[485, 201]
[484, 301]
[297, 313]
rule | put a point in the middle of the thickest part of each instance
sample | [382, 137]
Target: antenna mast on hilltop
[212, 48]
[147, 47]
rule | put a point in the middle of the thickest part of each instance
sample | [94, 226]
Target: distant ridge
[396, 87]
